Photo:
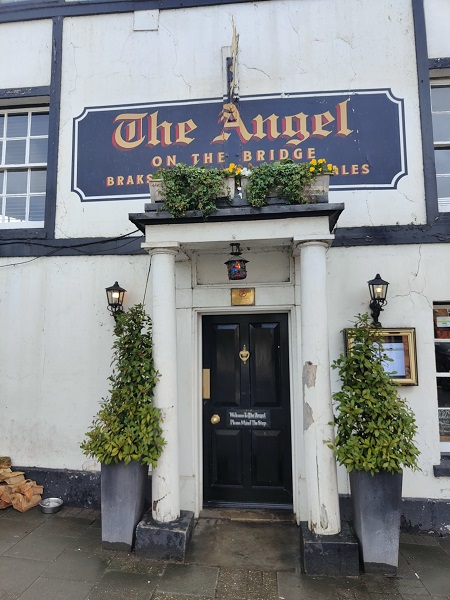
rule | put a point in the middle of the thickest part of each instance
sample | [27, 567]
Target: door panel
[264, 368]
[227, 446]
[247, 451]
[225, 358]
[267, 443]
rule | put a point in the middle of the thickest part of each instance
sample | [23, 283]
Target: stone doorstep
[164, 541]
[330, 555]
[248, 515]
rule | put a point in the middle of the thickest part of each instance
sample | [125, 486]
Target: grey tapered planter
[122, 499]
[376, 501]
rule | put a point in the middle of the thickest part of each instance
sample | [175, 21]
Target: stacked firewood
[15, 490]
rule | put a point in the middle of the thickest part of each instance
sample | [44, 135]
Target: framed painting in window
[400, 346]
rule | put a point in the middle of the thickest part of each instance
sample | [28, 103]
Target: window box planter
[155, 191]
[185, 189]
[228, 189]
[317, 192]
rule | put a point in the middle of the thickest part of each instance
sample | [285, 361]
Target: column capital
[298, 246]
[161, 247]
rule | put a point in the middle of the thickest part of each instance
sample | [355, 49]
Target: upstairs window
[23, 167]
[440, 106]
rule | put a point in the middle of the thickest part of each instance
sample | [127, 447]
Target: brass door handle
[215, 419]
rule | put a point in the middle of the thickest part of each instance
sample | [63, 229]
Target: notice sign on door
[257, 419]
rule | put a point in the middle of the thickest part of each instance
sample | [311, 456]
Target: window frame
[34, 99]
[49, 96]
[441, 338]
[23, 167]
[440, 78]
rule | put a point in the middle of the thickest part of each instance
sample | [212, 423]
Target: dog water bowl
[51, 505]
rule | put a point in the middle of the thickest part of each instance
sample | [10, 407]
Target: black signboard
[116, 149]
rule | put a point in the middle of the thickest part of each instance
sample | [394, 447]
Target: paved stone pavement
[59, 557]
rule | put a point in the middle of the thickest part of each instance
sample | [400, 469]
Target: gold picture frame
[400, 345]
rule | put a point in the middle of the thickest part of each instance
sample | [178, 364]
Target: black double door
[246, 410]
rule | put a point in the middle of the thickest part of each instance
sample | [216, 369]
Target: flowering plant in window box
[184, 188]
[297, 182]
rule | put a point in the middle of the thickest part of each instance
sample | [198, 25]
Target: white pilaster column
[165, 477]
[321, 477]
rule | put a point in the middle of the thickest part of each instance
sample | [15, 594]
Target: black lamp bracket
[376, 307]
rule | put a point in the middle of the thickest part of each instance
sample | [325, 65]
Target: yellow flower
[313, 162]
[311, 169]
[321, 160]
[238, 170]
[232, 167]
[329, 166]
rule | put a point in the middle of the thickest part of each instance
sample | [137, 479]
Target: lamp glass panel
[236, 269]
[380, 291]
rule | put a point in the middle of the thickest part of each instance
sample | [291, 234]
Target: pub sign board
[116, 149]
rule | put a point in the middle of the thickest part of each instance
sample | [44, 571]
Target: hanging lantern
[235, 264]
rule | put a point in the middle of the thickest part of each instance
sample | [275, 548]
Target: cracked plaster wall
[416, 280]
[57, 360]
[26, 54]
[55, 365]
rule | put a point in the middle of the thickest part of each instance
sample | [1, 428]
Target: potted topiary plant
[126, 435]
[289, 180]
[375, 432]
[184, 188]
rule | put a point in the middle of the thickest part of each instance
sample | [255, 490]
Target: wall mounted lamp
[378, 292]
[235, 264]
[115, 295]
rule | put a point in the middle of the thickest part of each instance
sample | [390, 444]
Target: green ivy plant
[128, 425]
[290, 180]
[187, 187]
[375, 428]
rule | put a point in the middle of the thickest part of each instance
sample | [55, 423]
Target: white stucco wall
[56, 360]
[437, 18]
[288, 48]
[26, 51]
[416, 281]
